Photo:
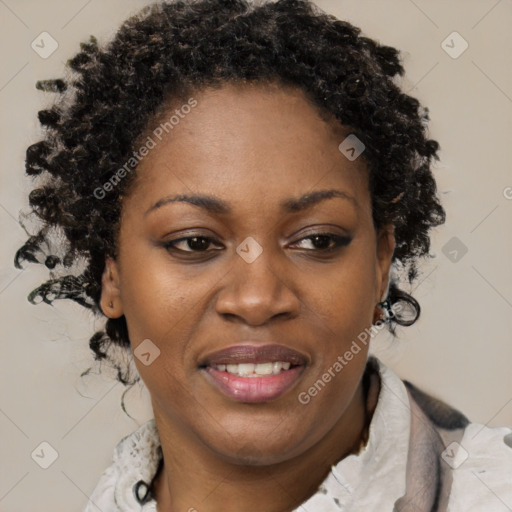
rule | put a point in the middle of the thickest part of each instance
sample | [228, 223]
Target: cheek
[151, 305]
[163, 306]
[155, 309]
[340, 304]
[343, 296]
[157, 298]
[158, 311]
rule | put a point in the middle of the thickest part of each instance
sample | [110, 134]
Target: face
[253, 276]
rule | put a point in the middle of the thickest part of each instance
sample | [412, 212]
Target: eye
[190, 244]
[319, 242]
[325, 242]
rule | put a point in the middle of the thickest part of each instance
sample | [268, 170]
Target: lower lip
[254, 389]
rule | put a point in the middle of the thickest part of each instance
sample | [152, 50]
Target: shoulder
[124, 485]
[469, 464]
[476, 460]
[481, 469]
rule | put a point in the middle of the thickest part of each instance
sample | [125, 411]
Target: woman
[238, 181]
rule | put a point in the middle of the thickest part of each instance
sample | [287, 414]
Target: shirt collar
[381, 464]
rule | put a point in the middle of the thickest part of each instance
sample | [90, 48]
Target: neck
[192, 477]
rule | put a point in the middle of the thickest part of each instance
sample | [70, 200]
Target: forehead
[267, 141]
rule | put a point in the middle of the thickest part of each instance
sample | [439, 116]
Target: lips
[254, 373]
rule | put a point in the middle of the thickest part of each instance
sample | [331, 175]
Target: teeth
[265, 368]
[246, 369]
[254, 370]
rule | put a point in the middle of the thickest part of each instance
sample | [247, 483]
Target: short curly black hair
[113, 93]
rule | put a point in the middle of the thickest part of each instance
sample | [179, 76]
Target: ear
[385, 248]
[110, 301]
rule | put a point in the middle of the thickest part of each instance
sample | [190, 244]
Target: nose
[257, 292]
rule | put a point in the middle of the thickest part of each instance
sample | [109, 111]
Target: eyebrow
[218, 206]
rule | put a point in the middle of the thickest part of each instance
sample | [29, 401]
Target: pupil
[203, 244]
[322, 238]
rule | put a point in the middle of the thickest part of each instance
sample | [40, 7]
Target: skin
[253, 146]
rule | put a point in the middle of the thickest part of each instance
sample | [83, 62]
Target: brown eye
[190, 244]
[326, 241]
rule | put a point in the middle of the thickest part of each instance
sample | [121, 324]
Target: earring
[110, 304]
[385, 307]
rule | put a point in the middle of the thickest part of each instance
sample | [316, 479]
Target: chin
[256, 448]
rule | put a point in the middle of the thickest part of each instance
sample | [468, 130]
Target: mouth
[252, 373]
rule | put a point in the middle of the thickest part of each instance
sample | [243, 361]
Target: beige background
[460, 349]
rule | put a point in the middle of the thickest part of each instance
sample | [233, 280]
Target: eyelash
[339, 242]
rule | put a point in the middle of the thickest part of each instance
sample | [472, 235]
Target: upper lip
[244, 353]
